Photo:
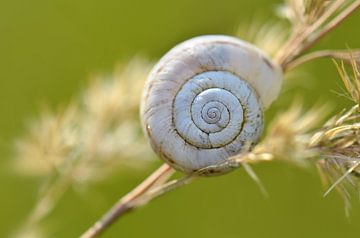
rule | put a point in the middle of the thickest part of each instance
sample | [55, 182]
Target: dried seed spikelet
[93, 136]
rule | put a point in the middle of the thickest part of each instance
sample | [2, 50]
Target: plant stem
[339, 54]
[129, 201]
[302, 39]
[292, 48]
[332, 25]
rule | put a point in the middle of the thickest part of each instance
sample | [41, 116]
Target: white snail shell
[203, 102]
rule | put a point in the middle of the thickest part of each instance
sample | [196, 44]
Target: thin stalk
[337, 182]
[303, 39]
[312, 40]
[129, 201]
[309, 57]
[332, 25]
[339, 54]
[305, 32]
[300, 34]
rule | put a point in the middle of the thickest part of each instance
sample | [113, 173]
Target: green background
[48, 50]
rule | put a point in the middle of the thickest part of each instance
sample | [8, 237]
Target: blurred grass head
[96, 135]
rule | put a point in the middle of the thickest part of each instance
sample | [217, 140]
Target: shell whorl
[203, 102]
[211, 110]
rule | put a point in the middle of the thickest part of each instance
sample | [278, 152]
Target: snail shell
[203, 102]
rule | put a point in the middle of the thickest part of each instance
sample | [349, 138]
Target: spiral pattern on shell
[203, 102]
[210, 108]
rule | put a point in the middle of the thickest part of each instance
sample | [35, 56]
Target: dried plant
[311, 20]
[294, 136]
[338, 142]
[88, 140]
[102, 131]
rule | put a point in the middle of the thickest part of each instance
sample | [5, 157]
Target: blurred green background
[48, 50]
